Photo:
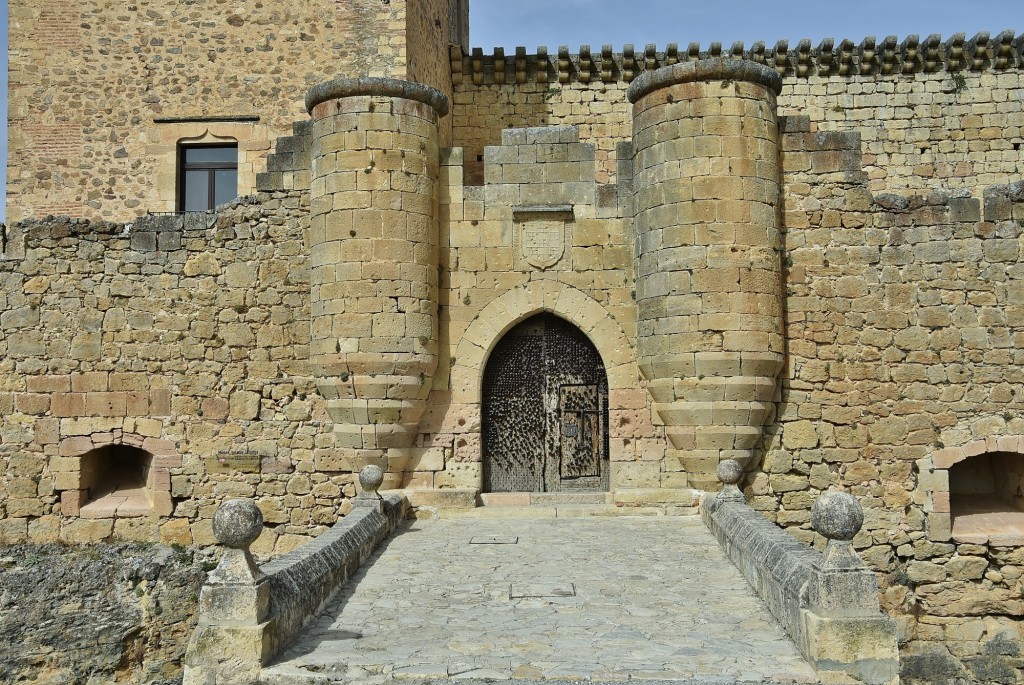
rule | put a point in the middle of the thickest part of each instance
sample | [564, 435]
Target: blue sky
[510, 23]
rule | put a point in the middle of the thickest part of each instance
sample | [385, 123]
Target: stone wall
[97, 613]
[189, 338]
[490, 283]
[101, 93]
[433, 26]
[904, 337]
[186, 338]
[948, 125]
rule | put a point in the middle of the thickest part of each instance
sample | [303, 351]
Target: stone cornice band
[715, 69]
[375, 85]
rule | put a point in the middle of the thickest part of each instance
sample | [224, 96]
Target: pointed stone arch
[515, 305]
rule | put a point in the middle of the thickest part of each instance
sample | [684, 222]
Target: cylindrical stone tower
[374, 242]
[709, 286]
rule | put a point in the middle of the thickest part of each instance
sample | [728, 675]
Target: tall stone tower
[709, 289]
[374, 241]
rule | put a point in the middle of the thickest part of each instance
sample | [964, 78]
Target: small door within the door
[579, 409]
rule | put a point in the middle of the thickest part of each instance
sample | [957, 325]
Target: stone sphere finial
[237, 523]
[837, 516]
[371, 477]
[730, 472]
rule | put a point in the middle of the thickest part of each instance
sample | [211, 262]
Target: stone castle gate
[545, 410]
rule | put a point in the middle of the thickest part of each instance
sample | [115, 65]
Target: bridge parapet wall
[827, 602]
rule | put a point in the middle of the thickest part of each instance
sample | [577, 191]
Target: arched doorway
[545, 411]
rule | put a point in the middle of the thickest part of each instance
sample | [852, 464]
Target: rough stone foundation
[97, 613]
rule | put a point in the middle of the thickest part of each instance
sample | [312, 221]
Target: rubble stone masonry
[99, 90]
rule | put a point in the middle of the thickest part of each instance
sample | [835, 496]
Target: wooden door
[545, 411]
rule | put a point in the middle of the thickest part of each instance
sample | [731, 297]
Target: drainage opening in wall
[986, 495]
[118, 480]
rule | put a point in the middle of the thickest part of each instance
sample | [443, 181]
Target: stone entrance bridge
[545, 593]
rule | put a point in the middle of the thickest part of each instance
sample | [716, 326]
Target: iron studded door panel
[513, 412]
[545, 411]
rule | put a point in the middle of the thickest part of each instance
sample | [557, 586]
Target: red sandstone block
[215, 408]
[133, 440]
[159, 402]
[49, 383]
[47, 432]
[160, 479]
[32, 403]
[91, 381]
[945, 458]
[974, 448]
[129, 381]
[1006, 539]
[940, 502]
[106, 438]
[137, 403]
[106, 404]
[73, 447]
[159, 448]
[167, 461]
[67, 404]
[71, 501]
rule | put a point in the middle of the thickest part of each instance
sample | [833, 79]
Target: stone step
[548, 498]
[298, 676]
[552, 511]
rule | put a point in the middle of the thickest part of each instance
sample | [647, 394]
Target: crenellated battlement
[831, 57]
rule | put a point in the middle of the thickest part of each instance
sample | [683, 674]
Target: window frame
[210, 167]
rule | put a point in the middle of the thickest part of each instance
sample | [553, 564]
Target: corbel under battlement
[830, 57]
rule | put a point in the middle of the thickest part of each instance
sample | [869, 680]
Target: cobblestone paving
[600, 599]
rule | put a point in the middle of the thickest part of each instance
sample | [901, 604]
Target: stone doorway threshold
[597, 600]
[525, 499]
[431, 504]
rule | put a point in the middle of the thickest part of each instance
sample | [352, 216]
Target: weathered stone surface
[237, 523]
[837, 515]
[249, 614]
[892, 291]
[828, 605]
[501, 636]
[117, 613]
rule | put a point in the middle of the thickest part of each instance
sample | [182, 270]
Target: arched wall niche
[117, 478]
[974, 493]
[116, 475]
